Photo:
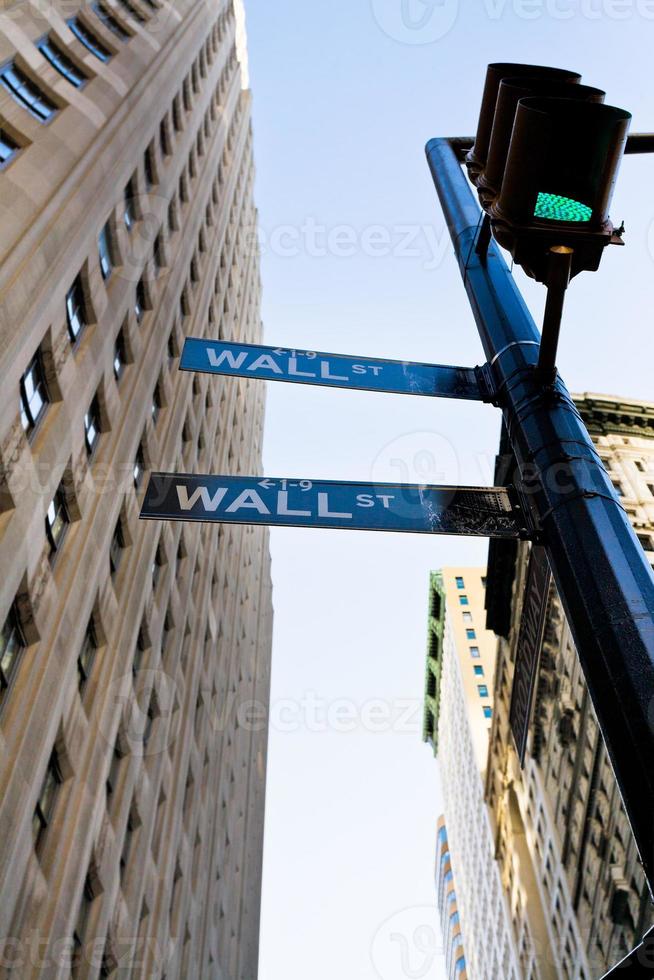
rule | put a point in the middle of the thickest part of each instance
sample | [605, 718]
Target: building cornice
[611, 415]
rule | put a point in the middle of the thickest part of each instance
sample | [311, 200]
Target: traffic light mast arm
[603, 578]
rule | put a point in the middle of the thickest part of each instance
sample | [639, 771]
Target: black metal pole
[603, 578]
[558, 279]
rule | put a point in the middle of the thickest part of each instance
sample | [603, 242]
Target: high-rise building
[458, 713]
[569, 865]
[134, 656]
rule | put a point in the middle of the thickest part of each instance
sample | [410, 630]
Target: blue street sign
[481, 511]
[334, 370]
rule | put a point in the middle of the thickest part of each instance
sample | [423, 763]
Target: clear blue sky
[355, 260]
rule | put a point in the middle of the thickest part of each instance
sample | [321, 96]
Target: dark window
[62, 62]
[26, 93]
[33, 394]
[157, 404]
[57, 520]
[114, 771]
[164, 142]
[8, 147]
[483, 690]
[75, 311]
[127, 843]
[139, 467]
[92, 426]
[645, 542]
[471, 635]
[157, 565]
[479, 671]
[12, 644]
[171, 349]
[132, 11]
[141, 646]
[88, 39]
[158, 253]
[120, 356]
[129, 214]
[116, 548]
[79, 933]
[172, 219]
[47, 798]
[110, 21]
[650, 487]
[148, 166]
[86, 655]
[151, 714]
[139, 301]
[463, 600]
[177, 115]
[460, 584]
[104, 251]
[488, 711]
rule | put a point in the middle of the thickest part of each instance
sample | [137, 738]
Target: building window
[474, 652]
[463, 600]
[114, 772]
[148, 167]
[139, 301]
[79, 932]
[12, 644]
[139, 467]
[467, 617]
[75, 311]
[88, 39]
[33, 394]
[92, 427]
[157, 565]
[127, 843]
[57, 520]
[157, 404]
[164, 142]
[132, 11]
[26, 93]
[8, 147]
[645, 542]
[471, 635]
[479, 670]
[177, 115]
[120, 356]
[650, 487]
[116, 547]
[460, 584]
[104, 252]
[62, 63]
[483, 690]
[86, 655]
[488, 711]
[129, 212]
[619, 489]
[110, 21]
[157, 253]
[45, 804]
[171, 348]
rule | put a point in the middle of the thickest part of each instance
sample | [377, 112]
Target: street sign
[530, 642]
[333, 370]
[481, 511]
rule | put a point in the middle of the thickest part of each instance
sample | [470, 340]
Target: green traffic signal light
[553, 207]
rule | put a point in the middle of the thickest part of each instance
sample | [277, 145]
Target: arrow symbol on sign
[267, 484]
[279, 351]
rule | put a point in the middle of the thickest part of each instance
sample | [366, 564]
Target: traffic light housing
[545, 162]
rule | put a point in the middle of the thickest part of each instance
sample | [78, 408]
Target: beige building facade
[134, 656]
[569, 866]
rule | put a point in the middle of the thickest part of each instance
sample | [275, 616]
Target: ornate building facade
[134, 656]
[570, 871]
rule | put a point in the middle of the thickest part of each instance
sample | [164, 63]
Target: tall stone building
[475, 924]
[570, 871]
[134, 656]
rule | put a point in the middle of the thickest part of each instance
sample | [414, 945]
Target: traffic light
[544, 162]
